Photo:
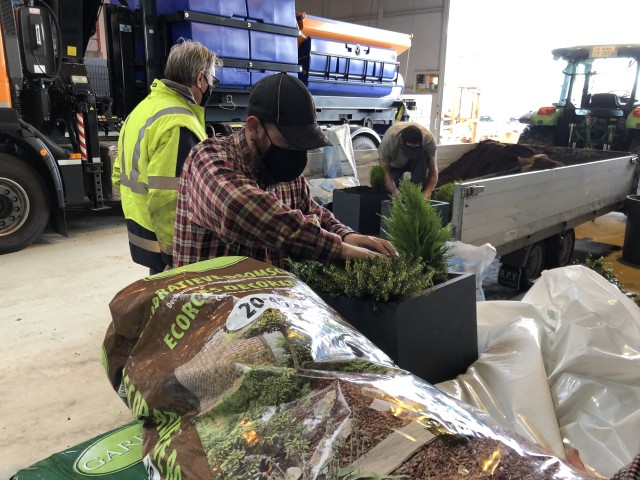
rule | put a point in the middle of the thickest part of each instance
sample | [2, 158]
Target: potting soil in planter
[240, 371]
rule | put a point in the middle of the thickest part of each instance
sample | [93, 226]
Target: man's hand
[388, 181]
[427, 194]
[355, 245]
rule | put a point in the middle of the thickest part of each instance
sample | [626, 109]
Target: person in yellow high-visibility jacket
[154, 142]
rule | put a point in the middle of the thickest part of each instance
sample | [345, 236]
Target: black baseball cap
[412, 140]
[284, 100]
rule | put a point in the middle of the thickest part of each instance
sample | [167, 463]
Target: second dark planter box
[359, 208]
[433, 335]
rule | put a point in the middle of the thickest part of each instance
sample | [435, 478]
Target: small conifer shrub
[444, 193]
[415, 230]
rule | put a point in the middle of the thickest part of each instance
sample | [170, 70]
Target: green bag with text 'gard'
[115, 455]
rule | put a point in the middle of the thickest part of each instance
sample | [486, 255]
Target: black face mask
[282, 164]
[206, 95]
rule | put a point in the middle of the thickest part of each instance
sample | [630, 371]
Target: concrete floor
[53, 316]
[54, 313]
[605, 238]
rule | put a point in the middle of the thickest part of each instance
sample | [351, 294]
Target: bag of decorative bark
[240, 371]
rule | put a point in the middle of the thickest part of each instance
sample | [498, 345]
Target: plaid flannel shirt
[224, 210]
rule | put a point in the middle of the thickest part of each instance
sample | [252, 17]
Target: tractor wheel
[534, 266]
[537, 135]
[362, 142]
[560, 249]
[24, 204]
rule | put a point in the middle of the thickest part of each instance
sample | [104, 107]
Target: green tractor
[598, 107]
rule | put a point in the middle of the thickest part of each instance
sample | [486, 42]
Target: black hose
[56, 74]
[56, 150]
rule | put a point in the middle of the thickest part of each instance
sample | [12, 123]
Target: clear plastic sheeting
[562, 368]
[240, 371]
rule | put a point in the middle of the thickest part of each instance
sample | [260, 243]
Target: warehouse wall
[426, 20]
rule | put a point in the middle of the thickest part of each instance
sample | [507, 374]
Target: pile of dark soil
[491, 158]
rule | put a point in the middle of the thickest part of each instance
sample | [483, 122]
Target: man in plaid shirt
[245, 194]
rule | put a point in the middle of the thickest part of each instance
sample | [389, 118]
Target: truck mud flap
[510, 276]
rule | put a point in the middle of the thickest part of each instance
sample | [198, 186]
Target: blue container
[273, 12]
[228, 42]
[348, 59]
[231, 77]
[226, 8]
[332, 67]
[270, 47]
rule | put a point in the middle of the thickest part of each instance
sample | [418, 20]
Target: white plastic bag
[338, 159]
[472, 259]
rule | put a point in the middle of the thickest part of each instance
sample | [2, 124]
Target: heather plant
[381, 279]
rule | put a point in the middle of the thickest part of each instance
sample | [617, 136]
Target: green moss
[376, 178]
[231, 455]
[263, 387]
[381, 279]
[273, 320]
[226, 448]
[351, 366]
[415, 230]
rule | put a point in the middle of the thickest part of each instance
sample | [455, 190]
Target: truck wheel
[362, 142]
[560, 249]
[24, 204]
[534, 266]
[537, 135]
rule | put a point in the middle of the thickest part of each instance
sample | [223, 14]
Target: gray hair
[187, 58]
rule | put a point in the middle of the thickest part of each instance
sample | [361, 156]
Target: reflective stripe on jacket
[147, 169]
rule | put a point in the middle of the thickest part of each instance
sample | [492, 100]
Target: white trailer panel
[517, 210]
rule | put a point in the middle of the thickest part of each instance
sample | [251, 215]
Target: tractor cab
[598, 106]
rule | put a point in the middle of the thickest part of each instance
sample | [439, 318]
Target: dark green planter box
[359, 210]
[442, 208]
[433, 335]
